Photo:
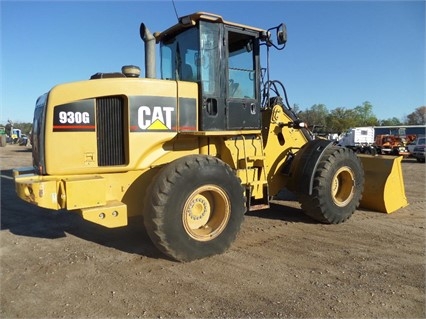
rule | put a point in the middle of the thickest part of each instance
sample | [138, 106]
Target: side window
[241, 76]
[167, 62]
[209, 58]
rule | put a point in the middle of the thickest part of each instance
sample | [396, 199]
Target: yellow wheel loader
[191, 151]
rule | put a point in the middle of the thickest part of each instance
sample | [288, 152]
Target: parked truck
[195, 149]
[417, 148]
[359, 139]
[420, 140]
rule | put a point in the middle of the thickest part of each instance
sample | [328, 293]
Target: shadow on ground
[24, 219]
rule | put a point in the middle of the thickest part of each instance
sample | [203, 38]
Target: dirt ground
[283, 264]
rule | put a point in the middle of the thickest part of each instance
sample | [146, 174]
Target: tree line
[320, 120]
[24, 127]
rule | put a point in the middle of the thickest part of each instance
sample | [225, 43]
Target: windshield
[179, 55]
[193, 55]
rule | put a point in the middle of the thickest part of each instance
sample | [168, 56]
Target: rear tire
[195, 208]
[337, 187]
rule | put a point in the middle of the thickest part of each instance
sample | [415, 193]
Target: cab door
[242, 80]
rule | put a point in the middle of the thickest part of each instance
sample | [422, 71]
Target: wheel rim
[206, 213]
[343, 186]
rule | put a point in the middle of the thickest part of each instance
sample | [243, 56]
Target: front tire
[195, 208]
[337, 187]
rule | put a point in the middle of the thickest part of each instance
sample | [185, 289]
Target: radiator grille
[110, 131]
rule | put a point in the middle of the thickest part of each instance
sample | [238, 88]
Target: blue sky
[339, 53]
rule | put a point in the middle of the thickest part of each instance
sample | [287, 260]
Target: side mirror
[281, 34]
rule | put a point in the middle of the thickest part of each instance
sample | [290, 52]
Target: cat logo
[155, 117]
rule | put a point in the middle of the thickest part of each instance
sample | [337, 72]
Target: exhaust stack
[149, 41]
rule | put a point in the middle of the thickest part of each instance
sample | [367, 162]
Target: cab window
[241, 74]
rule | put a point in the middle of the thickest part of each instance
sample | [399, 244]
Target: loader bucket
[384, 189]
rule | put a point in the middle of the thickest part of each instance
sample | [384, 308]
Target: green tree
[364, 115]
[316, 117]
[340, 120]
[390, 122]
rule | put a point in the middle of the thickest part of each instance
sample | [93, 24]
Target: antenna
[174, 6]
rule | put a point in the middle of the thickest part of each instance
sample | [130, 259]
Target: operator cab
[223, 58]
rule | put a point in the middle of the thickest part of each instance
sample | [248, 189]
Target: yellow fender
[384, 189]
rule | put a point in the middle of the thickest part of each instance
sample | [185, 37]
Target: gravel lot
[283, 264]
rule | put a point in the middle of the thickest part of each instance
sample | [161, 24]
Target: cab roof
[192, 19]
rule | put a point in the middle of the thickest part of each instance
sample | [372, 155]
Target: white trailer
[360, 139]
